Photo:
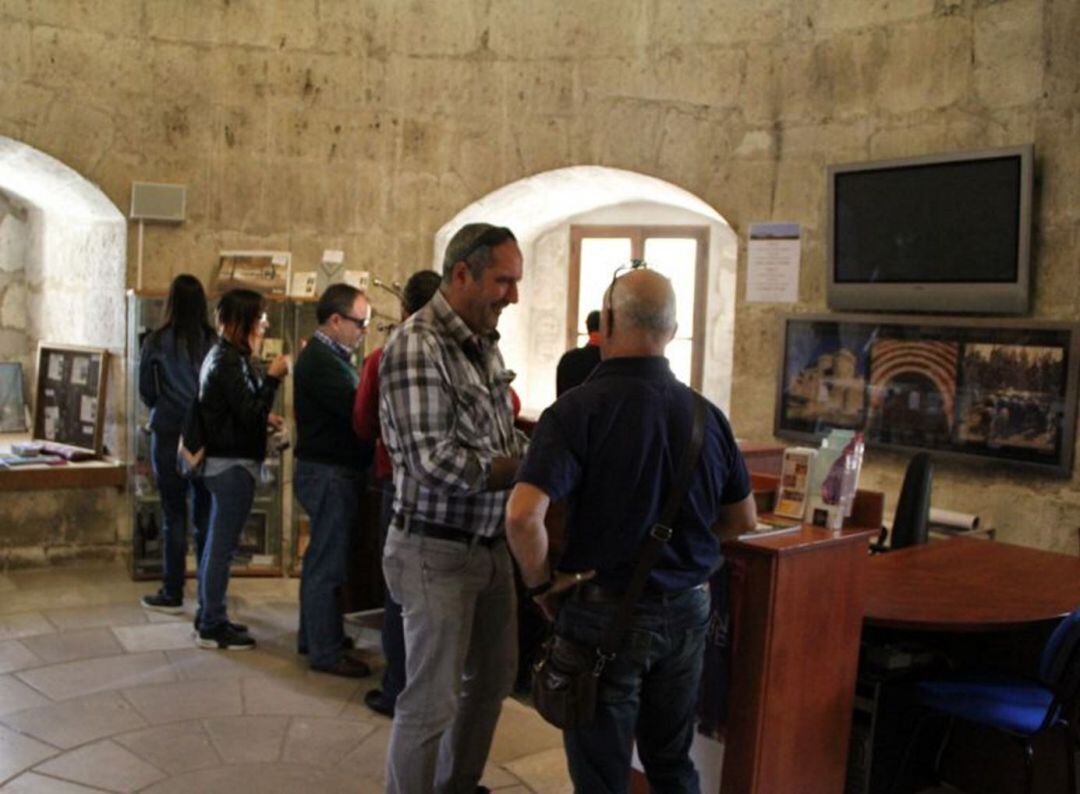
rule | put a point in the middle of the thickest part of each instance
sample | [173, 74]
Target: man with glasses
[330, 460]
[447, 423]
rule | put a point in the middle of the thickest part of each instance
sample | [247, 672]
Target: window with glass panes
[679, 252]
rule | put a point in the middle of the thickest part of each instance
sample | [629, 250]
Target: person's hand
[563, 582]
[276, 421]
[279, 366]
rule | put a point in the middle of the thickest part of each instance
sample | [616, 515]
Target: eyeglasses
[361, 322]
[491, 237]
[621, 270]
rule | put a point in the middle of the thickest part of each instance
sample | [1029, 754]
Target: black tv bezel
[950, 297]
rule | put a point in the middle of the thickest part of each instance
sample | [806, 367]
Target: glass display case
[260, 548]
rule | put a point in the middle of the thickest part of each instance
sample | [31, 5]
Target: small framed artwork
[990, 390]
[267, 272]
[69, 399]
[303, 284]
[12, 406]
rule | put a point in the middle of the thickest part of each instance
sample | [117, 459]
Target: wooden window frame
[638, 234]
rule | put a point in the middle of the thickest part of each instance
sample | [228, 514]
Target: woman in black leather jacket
[168, 384]
[234, 411]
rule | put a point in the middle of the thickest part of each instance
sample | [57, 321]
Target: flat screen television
[939, 233]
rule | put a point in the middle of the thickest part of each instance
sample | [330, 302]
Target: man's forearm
[526, 533]
[529, 545]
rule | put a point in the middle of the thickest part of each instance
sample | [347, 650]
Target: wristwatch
[540, 589]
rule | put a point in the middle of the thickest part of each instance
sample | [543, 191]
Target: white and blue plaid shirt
[342, 351]
[445, 409]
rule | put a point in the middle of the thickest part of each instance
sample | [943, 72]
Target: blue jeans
[231, 494]
[330, 495]
[648, 692]
[393, 630]
[174, 491]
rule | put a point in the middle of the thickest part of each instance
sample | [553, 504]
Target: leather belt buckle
[443, 532]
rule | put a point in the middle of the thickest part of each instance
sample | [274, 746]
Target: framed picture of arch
[982, 390]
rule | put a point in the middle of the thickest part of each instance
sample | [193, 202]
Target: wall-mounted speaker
[152, 201]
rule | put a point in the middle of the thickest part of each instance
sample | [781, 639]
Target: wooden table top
[967, 585]
[796, 539]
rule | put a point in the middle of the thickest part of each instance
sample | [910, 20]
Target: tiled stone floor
[98, 695]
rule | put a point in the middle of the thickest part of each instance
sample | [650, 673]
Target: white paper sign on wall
[772, 263]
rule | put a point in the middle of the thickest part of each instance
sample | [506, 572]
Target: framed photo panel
[69, 399]
[991, 390]
[267, 272]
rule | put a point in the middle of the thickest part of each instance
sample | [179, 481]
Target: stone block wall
[367, 124]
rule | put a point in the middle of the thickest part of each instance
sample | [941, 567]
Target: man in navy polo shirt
[611, 449]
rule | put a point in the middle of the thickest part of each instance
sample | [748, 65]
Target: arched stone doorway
[63, 261]
[540, 209]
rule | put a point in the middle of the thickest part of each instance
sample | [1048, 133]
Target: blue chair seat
[1020, 707]
[1005, 703]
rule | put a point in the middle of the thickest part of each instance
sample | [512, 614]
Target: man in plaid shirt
[448, 425]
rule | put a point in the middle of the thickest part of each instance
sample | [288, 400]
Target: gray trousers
[460, 614]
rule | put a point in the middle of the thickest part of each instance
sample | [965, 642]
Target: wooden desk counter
[798, 607]
[967, 585]
[87, 474]
[788, 541]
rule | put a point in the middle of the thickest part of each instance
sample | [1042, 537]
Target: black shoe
[483, 790]
[224, 638]
[239, 628]
[375, 700]
[346, 667]
[160, 602]
[347, 644]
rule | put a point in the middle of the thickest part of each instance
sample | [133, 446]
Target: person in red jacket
[419, 289]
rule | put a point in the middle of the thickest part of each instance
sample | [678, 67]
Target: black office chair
[909, 526]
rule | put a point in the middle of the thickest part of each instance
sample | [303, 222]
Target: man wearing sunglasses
[447, 423]
[329, 462]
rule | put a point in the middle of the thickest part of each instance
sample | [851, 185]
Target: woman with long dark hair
[169, 384]
[234, 410]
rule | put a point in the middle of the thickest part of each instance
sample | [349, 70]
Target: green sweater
[324, 391]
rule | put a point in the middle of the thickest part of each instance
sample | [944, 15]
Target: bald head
[643, 305]
[643, 300]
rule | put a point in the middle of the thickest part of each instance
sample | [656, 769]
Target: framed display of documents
[69, 400]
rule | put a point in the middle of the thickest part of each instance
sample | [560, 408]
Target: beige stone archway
[63, 261]
[71, 247]
[539, 209]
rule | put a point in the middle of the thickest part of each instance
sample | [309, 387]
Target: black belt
[444, 532]
[592, 593]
